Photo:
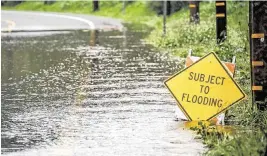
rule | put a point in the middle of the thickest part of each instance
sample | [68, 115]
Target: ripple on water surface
[89, 93]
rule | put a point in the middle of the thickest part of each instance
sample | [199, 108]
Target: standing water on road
[88, 93]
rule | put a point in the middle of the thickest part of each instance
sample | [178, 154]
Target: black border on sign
[226, 70]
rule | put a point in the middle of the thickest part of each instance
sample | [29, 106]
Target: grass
[135, 12]
[241, 141]
[251, 136]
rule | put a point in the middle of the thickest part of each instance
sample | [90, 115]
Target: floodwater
[89, 93]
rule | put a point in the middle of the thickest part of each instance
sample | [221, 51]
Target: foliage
[201, 38]
[254, 143]
[10, 3]
[136, 12]
[157, 6]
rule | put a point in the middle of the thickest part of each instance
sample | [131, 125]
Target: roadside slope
[250, 124]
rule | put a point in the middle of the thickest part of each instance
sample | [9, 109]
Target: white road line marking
[10, 25]
[90, 23]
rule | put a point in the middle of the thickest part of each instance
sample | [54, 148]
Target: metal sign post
[164, 16]
[123, 7]
[258, 52]
[221, 20]
[166, 12]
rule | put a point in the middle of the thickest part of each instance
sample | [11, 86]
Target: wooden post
[221, 21]
[194, 12]
[95, 5]
[94, 38]
[258, 52]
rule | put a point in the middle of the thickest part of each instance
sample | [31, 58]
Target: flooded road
[89, 93]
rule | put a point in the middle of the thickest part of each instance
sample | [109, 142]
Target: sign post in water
[204, 89]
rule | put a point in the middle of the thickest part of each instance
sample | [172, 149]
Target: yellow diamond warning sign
[204, 89]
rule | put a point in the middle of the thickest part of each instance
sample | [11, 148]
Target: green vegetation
[136, 12]
[251, 136]
[234, 140]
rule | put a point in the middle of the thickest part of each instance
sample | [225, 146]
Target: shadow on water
[77, 93]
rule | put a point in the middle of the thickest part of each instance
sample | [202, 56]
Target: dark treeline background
[156, 6]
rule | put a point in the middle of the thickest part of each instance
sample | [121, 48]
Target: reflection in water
[61, 96]
[94, 38]
[9, 64]
[124, 43]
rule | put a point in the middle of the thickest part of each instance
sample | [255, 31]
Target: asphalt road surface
[19, 21]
